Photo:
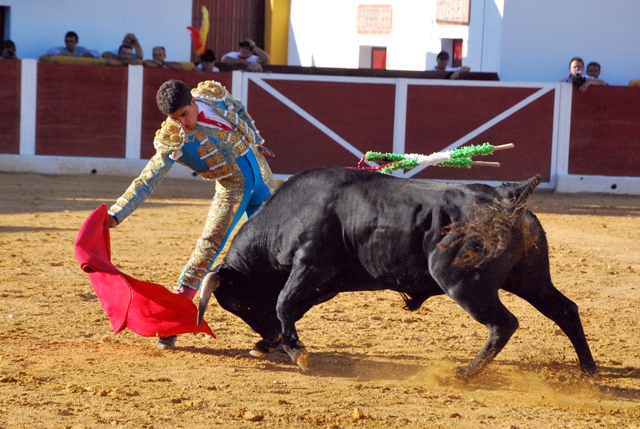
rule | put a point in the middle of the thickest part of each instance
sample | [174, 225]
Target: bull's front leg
[290, 341]
[309, 283]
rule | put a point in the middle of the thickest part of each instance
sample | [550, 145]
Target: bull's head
[240, 296]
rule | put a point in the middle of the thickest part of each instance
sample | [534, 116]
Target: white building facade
[521, 40]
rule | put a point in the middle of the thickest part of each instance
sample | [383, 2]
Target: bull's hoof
[258, 353]
[299, 355]
[264, 347]
[589, 369]
[466, 374]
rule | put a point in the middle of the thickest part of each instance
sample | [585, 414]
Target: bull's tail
[487, 231]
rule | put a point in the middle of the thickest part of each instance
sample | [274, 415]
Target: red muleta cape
[148, 309]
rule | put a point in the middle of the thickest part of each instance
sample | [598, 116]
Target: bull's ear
[209, 284]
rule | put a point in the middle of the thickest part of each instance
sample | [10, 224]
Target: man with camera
[582, 82]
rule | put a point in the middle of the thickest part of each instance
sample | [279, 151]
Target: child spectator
[593, 69]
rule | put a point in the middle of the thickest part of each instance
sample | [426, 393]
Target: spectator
[443, 66]
[132, 42]
[248, 56]
[208, 62]
[72, 49]
[124, 58]
[593, 69]
[576, 67]
[159, 54]
[8, 51]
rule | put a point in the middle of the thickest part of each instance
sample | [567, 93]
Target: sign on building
[374, 19]
[453, 12]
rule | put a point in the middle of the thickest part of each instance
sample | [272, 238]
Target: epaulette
[209, 90]
[169, 136]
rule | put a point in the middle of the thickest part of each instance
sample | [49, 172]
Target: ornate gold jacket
[209, 154]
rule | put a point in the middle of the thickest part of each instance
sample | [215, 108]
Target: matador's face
[186, 116]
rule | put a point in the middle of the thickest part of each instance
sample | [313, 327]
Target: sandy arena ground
[372, 364]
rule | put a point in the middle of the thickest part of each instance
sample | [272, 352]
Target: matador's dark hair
[173, 95]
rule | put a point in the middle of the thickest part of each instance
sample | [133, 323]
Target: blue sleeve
[143, 186]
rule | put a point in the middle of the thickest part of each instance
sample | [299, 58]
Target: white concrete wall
[37, 25]
[323, 34]
[485, 35]
[539, 37]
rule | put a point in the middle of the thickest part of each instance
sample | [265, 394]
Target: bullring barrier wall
[70, 119]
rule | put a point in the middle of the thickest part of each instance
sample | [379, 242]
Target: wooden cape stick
[489, 163]
[485, 164]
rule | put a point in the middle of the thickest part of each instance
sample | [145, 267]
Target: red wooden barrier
[81, 110]
[361, 113]
[10, 106]
[605, 132]
[437, 116]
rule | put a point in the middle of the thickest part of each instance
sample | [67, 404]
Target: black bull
[333, 230]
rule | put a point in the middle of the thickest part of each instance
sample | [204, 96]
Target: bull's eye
[235, 305]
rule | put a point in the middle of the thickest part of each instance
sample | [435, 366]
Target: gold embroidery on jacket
[169, 137]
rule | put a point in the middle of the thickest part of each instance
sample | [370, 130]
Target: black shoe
[167, 342]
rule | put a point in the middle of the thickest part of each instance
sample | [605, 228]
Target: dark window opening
[4, 14]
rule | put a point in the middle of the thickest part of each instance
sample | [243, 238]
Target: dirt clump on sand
[373, 364]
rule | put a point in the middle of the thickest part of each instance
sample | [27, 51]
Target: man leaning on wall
[72, 49]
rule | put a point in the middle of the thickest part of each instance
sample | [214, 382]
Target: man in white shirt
[248, 56]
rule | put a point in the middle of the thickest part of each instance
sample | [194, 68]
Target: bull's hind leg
[484, 306]
[542, 294]
[476, 290]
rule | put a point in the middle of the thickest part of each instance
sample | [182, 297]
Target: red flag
[148, 309]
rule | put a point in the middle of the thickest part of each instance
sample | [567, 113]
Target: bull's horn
[209, 284]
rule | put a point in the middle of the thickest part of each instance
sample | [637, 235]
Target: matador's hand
[113, 222]
[263, 150]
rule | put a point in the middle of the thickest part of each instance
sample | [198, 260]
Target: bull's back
[360, 212]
